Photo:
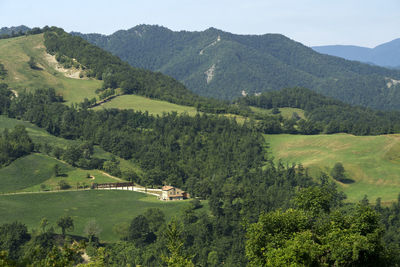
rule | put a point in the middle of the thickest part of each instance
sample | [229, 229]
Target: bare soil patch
[70, 73]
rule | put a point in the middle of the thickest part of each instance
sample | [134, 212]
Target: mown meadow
[373, 162]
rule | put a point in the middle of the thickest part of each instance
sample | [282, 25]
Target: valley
[77, 115]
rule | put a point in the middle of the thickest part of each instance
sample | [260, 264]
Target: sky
[311, 22]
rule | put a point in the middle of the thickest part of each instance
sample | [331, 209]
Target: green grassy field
[373, 162]
[14, 55]
[29, 172]
[109, 208]
[285, 112]
[140, 103]
[153, 106]
[39, 135]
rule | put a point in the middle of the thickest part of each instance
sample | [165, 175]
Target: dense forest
[219, 64]
[323, 114]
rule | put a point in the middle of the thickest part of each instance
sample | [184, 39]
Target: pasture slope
[143, 104]
[15, 54]
[373, 162]
[40, 136]
[110, 208]
[28, 173]
[155, 107]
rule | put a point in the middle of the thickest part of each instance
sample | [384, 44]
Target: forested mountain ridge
[115, 73]
[386, 54]
[224, 65]
[78, 70]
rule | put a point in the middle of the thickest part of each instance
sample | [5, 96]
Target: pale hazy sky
[311, 22]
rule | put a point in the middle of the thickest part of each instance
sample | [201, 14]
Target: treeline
[12, 32]
[14, 144]
[324, 114]
[3, 72]
[42, 247]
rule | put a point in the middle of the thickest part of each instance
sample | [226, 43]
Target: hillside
[91, 73]
[219, 64]
[34, 173]
[385, 55]
[323, 114]
[112, 209]
[140, 103]
[373, 162]
[117, 76]
[15, 54]
[95, 77]
[41, 164]
[214, 158]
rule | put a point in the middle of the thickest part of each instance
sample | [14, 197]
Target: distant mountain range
[222, 65]
[386, 55]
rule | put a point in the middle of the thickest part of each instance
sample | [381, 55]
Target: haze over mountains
[219, 64]
[385, 55]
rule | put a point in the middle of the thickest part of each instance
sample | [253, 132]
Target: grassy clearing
[29, 172]
[39, 135]
[285, 112]
[140, 103]
[14, 55]
[109, 208]
[373, 162]
[154, 107]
